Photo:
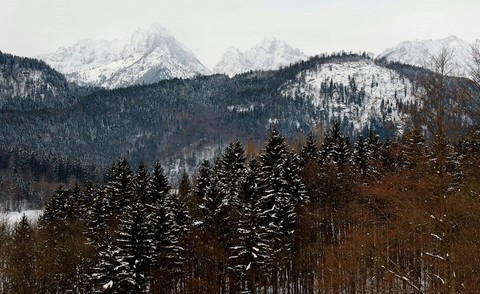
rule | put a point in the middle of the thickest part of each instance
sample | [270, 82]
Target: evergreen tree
[56, 210]
[250, 247]
[135, 249]
[280, 190]
[362, 156]
[119, 187]
[212, 207]
[414, 151]
[135, 239]
[336, 147]
[309, 152]
[140, 186]
[166, 230]
[231, 172]
[105, 278]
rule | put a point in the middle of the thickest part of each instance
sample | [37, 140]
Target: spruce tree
[135, 249]
[250, 247]
[135, 238]
[309, 152]
[231, 172]
[211, 205]
[119, 186]
[167, 258]
[362, 156]
[281, 190]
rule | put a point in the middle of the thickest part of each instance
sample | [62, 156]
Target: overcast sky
[210, 27]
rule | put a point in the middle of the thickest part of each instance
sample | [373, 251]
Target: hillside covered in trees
[327, 216]
[185, 121]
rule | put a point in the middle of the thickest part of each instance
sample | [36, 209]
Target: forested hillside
[185, 121]
[333, 216]
[30, 84]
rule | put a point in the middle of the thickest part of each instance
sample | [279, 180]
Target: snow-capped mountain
[146, 56]
[359, 92]
[420, 51]
[269, 54]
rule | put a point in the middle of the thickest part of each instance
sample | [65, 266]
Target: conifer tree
[105, 277]
[414, 151]
[135, 249]
[212, 207]
[280, 190]
[336, 147]
[309, 152]
[250, 246]
[231, 172]
[166, 231]
[362, 156]
[119, 186]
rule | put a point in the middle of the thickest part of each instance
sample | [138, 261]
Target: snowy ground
[13, 217]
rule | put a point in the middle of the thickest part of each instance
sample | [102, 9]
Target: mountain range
[146, 56]
[269, 54]
[153, 54]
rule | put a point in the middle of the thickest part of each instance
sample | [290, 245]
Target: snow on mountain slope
[420, 51]
[360, 93]
[269, 54]
[147, 56]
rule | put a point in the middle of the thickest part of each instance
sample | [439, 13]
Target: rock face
[269, 54]
[420, 51]
[147, 56]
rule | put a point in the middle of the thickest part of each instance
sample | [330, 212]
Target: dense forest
[325, 216]
[28, 178]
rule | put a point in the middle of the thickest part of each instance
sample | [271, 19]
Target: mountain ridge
[419, 52]
[147, 55]
[268, 54]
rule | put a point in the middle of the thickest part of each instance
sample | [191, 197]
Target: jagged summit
[146, 56]
[270, 53]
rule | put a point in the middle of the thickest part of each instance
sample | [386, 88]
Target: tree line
[326, 216]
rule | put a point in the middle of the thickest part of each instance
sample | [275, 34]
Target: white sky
[210, 27]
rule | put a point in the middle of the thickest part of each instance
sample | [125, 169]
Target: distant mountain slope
[146, 56]
[27, 84]
[419, 52]
[185, 121]
[269, 54]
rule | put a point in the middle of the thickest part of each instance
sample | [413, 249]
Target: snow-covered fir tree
[168, 255]
[309, 152]
[135, 239]
[281, 190]
[250, 248]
